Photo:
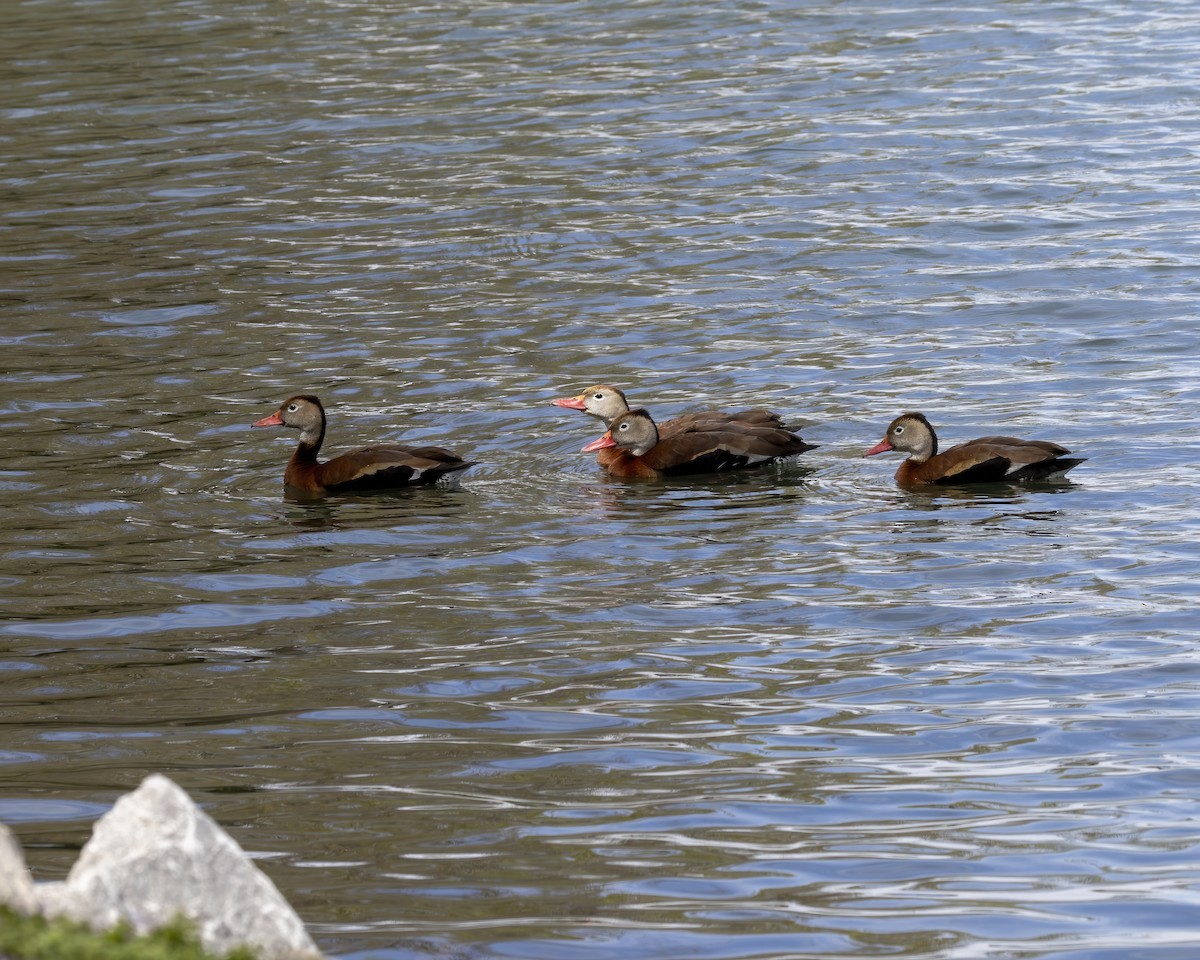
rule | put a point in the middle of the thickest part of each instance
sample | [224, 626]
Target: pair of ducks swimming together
[635, 447]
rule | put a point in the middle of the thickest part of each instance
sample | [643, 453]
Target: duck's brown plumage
[380, 467]
[701, 447]
[983, 460]
[607, 402]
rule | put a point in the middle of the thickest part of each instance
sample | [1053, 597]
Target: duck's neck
[927, 450]
[310, 445]
[651, 442]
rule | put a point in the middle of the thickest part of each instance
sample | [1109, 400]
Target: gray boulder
[156, 856]
[16, 885]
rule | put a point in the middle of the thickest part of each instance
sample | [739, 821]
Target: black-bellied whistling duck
[607, 403]
[985, 460]
[380, 467]
[701, 447]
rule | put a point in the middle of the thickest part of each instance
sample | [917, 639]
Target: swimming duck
[984, 460]
[701, 447]
[608, 402]
[368, 468]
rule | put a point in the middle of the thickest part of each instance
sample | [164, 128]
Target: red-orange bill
[604, 441]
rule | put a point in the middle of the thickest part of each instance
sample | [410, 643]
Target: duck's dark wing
[388, 465]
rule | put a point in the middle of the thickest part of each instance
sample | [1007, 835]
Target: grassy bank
[35, 938]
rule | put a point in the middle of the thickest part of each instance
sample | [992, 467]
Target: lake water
[793, 713]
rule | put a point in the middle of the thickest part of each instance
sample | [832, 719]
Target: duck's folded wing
[716, 419]
[1047, 447]
[707, 447]
[993, 458]
[389, 465]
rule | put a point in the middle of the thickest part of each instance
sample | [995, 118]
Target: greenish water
[797, 713]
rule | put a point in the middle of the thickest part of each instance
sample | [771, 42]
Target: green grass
[35, 938]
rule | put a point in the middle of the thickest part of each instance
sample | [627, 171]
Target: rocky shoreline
[153, 859]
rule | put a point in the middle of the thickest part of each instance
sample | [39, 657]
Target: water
[797, 713]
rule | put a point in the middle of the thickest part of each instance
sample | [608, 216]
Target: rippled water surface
[795, 713]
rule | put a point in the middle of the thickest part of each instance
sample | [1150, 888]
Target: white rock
[16, 885]
[155, 856]
[51, 897]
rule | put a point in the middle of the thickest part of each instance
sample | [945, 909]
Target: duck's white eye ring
[597, 396]
[293, 407]
[898, 430]
[624, 426]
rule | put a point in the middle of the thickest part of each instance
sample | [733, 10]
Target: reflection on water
[794, 712]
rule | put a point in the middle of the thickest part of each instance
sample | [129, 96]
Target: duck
[983, 460]
[382, 467]
[607, 402]
[642, 453]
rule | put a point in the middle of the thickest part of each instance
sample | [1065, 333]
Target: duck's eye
[624, 426]
[597, 396]
[293, 407]
[897, 430]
